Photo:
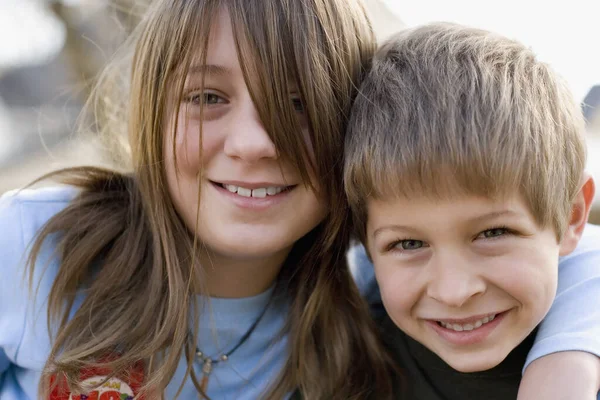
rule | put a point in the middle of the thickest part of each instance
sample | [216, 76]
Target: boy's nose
[246, 137]
[453, 282]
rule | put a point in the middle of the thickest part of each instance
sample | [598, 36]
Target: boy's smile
[466, 276]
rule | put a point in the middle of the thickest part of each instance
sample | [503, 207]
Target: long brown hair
[122, 242]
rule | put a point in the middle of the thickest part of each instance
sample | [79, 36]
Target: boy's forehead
[450, 193]
[458, 208]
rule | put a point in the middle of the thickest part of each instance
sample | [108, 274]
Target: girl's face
[253, 205]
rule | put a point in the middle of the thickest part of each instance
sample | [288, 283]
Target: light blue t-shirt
[572, 324]
[24, 340]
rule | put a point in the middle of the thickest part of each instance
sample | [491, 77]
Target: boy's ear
[580, 211]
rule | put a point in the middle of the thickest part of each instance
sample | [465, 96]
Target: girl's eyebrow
[209, 69]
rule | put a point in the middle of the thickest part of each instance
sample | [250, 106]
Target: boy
[464, 171]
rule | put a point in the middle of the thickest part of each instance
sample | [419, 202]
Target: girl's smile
[254, 197]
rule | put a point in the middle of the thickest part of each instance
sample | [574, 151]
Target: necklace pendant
[207, 366]
[206, 370]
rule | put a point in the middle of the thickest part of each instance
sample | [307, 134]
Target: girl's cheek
[309, 143]
[187, 145]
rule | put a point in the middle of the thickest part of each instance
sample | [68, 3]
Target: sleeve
[363, 272]
[573, 322]
[13, 290]
[4, 363]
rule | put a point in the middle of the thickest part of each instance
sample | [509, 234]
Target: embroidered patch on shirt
[113, 389]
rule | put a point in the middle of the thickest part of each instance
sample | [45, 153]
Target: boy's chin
[470, 366]
[475, 361]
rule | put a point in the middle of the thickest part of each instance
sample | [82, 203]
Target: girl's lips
[253, 203]
[466, 337]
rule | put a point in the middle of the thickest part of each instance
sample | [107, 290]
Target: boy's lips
[467, 320]
[466, 331]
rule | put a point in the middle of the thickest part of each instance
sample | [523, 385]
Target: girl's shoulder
[22, 214]
[37, 200]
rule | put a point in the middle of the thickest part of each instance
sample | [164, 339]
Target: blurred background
[51, 51]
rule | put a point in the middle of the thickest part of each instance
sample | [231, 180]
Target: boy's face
[468, 277]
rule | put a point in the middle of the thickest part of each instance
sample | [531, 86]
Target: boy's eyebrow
[391, 227]
[495, 214]
[477, 219]
[209, 69]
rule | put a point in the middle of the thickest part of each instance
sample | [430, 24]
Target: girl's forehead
[216, 57]
[221, 57]
[217, 54]
[221, 40]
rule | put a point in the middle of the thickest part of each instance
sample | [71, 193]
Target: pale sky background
[564, 33]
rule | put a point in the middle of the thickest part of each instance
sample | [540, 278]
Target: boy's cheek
[397, 295]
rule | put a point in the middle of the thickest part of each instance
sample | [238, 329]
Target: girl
[216, 264]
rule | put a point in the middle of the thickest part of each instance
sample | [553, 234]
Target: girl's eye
[493, 233]
[297, 103]
[409, 244]
[211, 98]
[205, 98]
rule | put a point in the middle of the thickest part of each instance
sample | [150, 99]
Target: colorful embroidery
[113, 389]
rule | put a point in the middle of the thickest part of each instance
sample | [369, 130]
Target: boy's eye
[410, 244]
[495, 232]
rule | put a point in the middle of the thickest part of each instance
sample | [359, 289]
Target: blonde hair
[448, 109]
[125, 224]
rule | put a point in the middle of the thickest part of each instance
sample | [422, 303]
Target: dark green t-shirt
[428, 377]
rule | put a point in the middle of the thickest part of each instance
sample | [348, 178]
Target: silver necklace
[208, 362]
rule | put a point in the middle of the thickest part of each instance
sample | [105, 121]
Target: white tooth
[279, 190]
[244, 192]
[467, 327]
[262, 192]
[271, 190]
[231, 188]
